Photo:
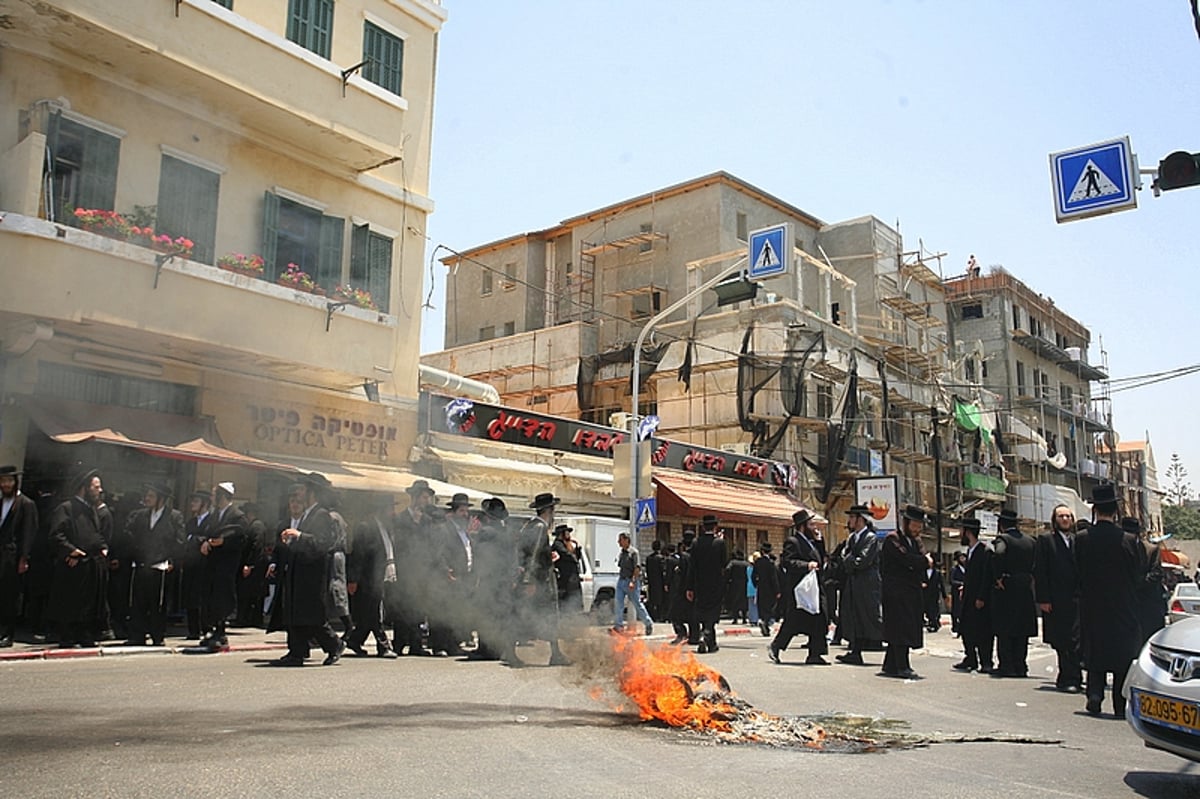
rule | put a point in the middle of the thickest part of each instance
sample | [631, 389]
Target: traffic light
[1178, 170]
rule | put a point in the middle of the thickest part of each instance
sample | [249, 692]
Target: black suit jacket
[19, 529]
[1056, 581]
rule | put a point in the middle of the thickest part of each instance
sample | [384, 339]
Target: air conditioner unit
[736, 449]
[619, 420]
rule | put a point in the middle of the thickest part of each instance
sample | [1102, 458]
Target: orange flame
[669, 684]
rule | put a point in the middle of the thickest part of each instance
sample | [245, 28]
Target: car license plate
[1168, 712]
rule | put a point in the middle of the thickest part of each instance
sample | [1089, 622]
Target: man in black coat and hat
[370, 567]
[156, 533]
[656, 586]
[1056, 584]
[406, 600]
[1014, 609]
[495, 573]
[682, 611]
[538, 583]
[191, 562]
[765, 576]
[302, 556]
[859, 611]
[803, 554]
[223, 539]
[706, 581]
[902, 568]
[975, 622]
[1110, 563]
[18, 527]
[77, 597]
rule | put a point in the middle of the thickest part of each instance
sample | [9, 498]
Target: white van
[598, 537]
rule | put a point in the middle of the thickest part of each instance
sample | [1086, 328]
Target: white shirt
[155, 515]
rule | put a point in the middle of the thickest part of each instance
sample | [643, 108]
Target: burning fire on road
[669, 685]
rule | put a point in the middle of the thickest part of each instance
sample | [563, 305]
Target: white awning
[378, 478]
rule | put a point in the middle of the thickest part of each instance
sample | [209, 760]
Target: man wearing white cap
[221, 549]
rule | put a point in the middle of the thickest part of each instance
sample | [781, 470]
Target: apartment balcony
[105, 295]
[253, 81]
[1069, 359]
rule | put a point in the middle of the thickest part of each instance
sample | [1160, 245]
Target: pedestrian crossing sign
[1094, 180]
[646, 512]
[770, 252]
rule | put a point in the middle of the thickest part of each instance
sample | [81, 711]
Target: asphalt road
[225, 725]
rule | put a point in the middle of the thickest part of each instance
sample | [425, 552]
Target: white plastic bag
[808, 593]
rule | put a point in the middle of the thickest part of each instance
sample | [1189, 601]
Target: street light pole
[637, 367]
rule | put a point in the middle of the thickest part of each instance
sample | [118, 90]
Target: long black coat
[766, 580]
[16, 537]
[797, 553]
[1151, 594]
[305, 578]
[678, 567]
[1014, 611]
[706, 577]
[975, 624]
[1056, 582]
[221, 568]
[861, 600]
[77, 595]
[737, 573]
[366, 565]
[1109, 562]
[902, 568]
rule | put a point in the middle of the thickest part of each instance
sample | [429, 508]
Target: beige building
[297, 132]
[550, 318]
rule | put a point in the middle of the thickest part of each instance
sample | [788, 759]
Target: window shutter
[98, 178]
[187, 205]
[270, 248]
[329, 255]
[54, 211]
[359, 237]
[379, 276]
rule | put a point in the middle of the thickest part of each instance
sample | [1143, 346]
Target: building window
[485, 282]
[973, 311]
[743, 227]
[107, 388]
[662, 532]
[294, 233]
[983, 370]
[739, 541]
[969, 370]
[1020, 379]
[824, 400]
[310, 24]
[226, 3]
[510, 328]
[1016, 317]
[187, 205]
[371, 264]
[487, 333]
[384, 57]
[645, 304]
[647, 245]
[510, 276]
[83, 167]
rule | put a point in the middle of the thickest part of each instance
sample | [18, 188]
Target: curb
[118, 651]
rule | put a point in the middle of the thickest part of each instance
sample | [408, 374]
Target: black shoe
[387, 654]
[158, 642]
[815, 660]
[287, 661]
[132, 642]
[1093, 707]
[649, 628]
[773, 653]
[850, 659]
[513, 662]
[702, 649]
[560, 659]
[713, 647]
[355, 648]
[964, 666]
[1071, 689]
[5, 641]
[336, 655]
[986, 669]
[677, 640]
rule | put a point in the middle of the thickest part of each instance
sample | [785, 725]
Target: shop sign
[472, 419]
[318, 434]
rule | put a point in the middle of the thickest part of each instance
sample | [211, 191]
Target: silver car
[1184, 602]
[1163, 689]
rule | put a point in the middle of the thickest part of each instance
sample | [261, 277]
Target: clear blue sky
[938, 115]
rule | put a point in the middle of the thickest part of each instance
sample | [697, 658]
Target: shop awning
[681, 495]
[518, 481]
[163, 434]
[379, 478]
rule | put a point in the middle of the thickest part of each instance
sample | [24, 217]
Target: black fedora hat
[82, 478]
[971, 524]
[1104, 494]
[316, 480]
[459, 500]
[159, 487]
[420, 487]
[765, 546]
[9, 471]
[802, 517]
[1007, 515]
[689, 536]
[543, 501]
[201, 493]
[858, 510]
[710, 521]
[1130, 524]
[915, 513]
[494, 507]
[563, 528]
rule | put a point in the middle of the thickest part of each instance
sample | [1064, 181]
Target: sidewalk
[241, 639]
